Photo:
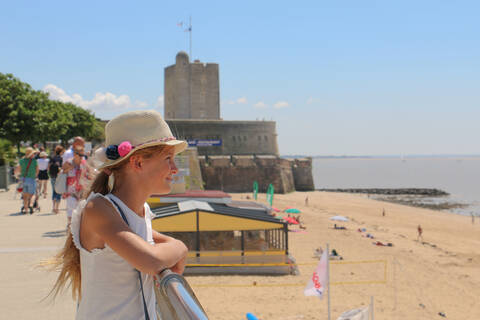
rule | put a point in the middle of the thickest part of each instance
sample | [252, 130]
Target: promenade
[24, 241]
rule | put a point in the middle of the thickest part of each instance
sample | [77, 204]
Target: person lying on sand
[339, 227]
[381, 244]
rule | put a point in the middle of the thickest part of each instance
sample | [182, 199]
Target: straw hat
[133, 131]
[43, 154]
[29, 152]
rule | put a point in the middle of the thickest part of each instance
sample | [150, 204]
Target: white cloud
[281, 104]
[160, 102]
[101, 100]
[260, 104]
[242, 100]
[310, 100]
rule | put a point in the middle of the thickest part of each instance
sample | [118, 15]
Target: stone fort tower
[232, 154]
[192, 90]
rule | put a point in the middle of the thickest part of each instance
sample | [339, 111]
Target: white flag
[356, 314]
[318, 282]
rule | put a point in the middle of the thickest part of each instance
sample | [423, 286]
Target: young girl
[43, 173]
[112, 253]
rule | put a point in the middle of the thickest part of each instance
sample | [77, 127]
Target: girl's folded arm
[102, 219]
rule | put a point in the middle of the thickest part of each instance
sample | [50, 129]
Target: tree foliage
[29, 115]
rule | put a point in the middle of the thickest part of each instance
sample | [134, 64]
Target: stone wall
[302, 174]
[237, 173]
[238, 137]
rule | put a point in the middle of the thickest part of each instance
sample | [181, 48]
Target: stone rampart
[237, 173]
[302, 174]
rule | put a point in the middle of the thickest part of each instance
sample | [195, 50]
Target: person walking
[43, 173]
[69, 153]
[78, 172]
[53, 169]
[28, 170]
[420, 232]
[112, 253]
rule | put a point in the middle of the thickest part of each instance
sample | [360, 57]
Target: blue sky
[339, 77]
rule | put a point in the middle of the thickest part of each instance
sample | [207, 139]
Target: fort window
[266, 138]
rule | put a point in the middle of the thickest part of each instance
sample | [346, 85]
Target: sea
[457, 175]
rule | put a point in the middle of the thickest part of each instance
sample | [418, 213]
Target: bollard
[175, 298]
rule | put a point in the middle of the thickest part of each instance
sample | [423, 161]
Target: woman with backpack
[53, 170]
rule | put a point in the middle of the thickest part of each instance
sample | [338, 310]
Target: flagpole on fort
[190, 32]
[328, 280]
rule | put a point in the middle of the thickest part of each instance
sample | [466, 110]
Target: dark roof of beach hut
[184, 216]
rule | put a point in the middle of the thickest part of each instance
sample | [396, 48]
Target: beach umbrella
[339, 218]
[275, 209]
[292, 210]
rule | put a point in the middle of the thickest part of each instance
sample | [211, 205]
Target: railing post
[175, 298]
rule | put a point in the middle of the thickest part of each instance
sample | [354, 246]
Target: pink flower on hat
[124, 148]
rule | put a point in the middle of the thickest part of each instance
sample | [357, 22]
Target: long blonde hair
[67, 260]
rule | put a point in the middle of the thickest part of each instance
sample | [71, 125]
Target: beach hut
[226, 239]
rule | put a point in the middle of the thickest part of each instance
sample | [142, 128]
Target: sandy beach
[411, 280]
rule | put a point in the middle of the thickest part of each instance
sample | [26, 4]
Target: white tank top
[43, 163]
[110, 285]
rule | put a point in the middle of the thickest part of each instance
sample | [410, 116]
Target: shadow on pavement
[16, 214]
[55, 234]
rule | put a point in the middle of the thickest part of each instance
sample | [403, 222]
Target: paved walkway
[24, 241]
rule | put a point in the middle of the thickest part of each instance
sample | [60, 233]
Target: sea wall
[238, 173]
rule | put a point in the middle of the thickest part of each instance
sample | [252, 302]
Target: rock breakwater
[396, 191]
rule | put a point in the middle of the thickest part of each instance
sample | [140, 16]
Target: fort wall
[302, 174]
[237, 173]
[236, 137]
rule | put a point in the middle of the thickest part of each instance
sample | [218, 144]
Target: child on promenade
[112, 253]
[43, 173]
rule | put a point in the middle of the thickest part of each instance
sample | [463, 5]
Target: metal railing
[175, 298]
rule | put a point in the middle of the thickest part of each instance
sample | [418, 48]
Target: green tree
[18, 106]
[83, 123]
[29, 115]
